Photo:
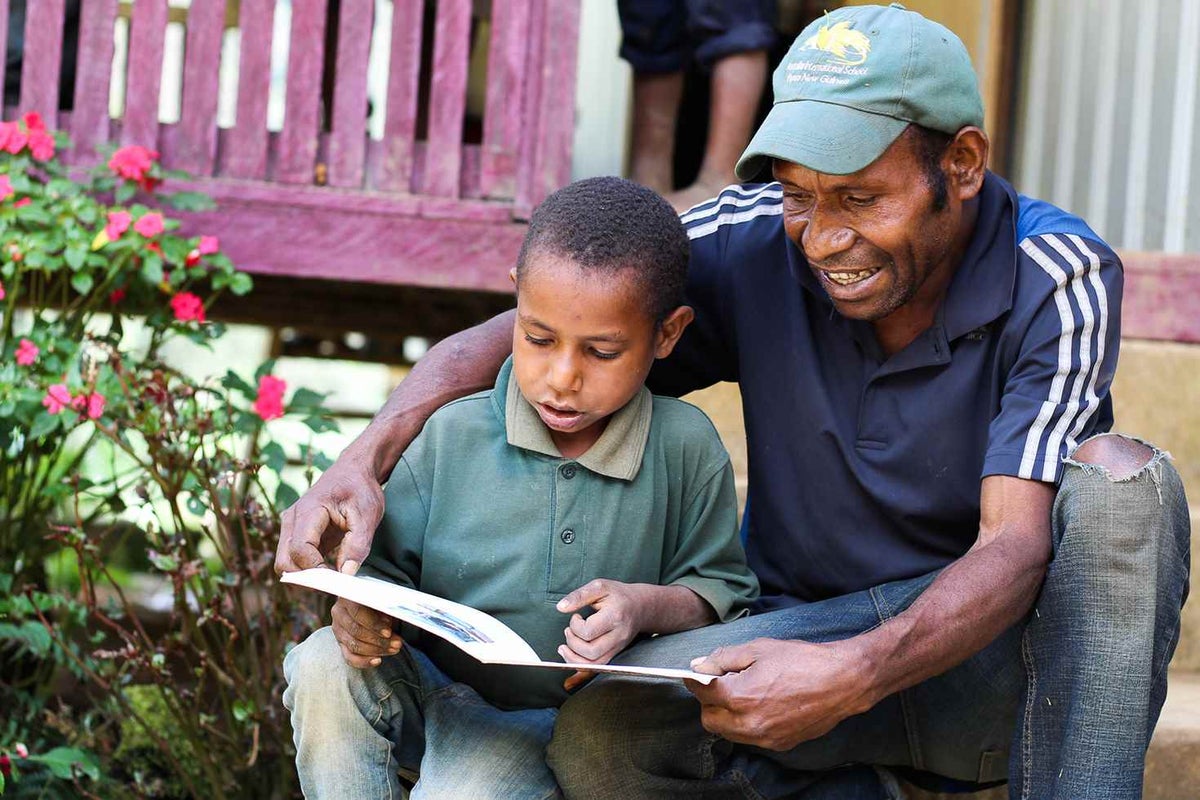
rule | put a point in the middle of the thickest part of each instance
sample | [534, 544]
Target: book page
[476, 633]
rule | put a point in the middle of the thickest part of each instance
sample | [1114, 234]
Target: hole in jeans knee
[1120, 456]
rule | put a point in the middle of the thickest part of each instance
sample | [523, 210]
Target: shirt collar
[616, 454]
[982, 288]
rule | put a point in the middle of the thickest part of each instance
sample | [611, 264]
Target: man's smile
[846, 278]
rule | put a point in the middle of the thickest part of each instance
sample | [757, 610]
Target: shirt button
[567, 471]
[567, 536]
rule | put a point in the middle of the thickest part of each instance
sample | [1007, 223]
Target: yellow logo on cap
[848, 46]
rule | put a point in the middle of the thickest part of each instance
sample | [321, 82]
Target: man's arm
[782, 693]
[345, 505]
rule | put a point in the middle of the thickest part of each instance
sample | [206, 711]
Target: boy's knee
[1121, 456]
[315, 660]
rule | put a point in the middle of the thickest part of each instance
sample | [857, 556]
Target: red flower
[33, 121]
[24, 201]
[41, 145]
[133, 162]
[27, 353]
[208, 245]
[57, 398]
[187, 307]
[118, 223]
[116, 296]
[21, 750]
[149, 225]
[192, 259]
[5, 766]
[155, 247]
[6, 189]
[269, 403]
[94, 405]
[12, 138]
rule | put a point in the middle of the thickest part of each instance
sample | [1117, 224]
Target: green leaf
[285, 496]
[190, 201]
[61, 761]
[264, 368]
[125, 192]
[240, 283]
[43, 424]
[152, 268]
[196, 505]
[306, 399]
[75, 256]
[82, 282]
[320, 424]
[233, 381]
[274, 457]
[163, 562]
[30, 634]
[242, 710]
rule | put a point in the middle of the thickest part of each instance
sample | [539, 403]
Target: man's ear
[965, 162]
[670, 329]
[512, 275]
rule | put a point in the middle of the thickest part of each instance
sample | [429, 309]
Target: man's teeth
[847, 278]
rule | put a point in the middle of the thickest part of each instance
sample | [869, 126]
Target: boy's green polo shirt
[482, 509]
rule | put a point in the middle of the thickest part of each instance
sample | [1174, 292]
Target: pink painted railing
[336, 204]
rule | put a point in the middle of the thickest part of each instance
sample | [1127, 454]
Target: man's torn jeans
[1062, 705]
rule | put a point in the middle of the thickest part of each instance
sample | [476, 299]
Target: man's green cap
[854, 80]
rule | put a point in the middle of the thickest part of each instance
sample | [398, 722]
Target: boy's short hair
[609, 225]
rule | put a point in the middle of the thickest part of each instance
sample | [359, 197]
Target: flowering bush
[182, 701]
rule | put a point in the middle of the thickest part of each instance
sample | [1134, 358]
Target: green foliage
[181, 701]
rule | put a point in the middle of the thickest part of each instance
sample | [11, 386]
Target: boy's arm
[341, 510]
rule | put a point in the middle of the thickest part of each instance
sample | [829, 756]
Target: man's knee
[312, 665]
[1121, 456]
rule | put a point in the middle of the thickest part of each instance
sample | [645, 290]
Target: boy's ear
[670, 329]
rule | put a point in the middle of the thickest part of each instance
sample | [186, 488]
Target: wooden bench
[334, 204]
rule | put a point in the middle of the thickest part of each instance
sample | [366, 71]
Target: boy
[566, 487]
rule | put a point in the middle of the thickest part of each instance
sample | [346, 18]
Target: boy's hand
[616, 621]
[365, 635]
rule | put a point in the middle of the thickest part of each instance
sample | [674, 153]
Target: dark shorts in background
[663, 35]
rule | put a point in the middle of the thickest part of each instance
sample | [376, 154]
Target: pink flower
[149, 225]
[41, 145]
[1, 291]
[208, 245]
[95, 405]
[187, 307]
[118, 223]
[24, 201]
[12, 138]
[21, 750]
[269, 403]
[27, 353]
[133, 162]
[33, 121]
[6, 189]
[57, 398]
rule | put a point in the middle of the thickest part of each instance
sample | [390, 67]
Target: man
[960, 577]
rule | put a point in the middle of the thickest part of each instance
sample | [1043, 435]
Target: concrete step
[1172, 763]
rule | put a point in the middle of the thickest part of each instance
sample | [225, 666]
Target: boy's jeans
[1062, 705]
[354, 729]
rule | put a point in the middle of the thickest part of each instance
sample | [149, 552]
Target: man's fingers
[589, 594]
[357, 661]
[577, 679]
[362, 516]
[365, 625]
[597, 651]
[303, 530]
[726, 659]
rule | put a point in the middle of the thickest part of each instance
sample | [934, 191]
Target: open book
[480, 635]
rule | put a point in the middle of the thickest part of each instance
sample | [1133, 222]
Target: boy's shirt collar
[616, 454]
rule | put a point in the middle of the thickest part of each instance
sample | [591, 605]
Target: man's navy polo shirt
[865, 469]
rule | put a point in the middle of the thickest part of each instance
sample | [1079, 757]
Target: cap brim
[825, 137]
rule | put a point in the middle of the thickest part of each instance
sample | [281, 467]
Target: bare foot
[702, 190]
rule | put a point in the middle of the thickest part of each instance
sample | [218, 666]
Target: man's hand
[340, 512]
[776, 694]
[616, 621]
[364, 634]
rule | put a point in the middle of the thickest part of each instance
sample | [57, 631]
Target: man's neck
[898, 329]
